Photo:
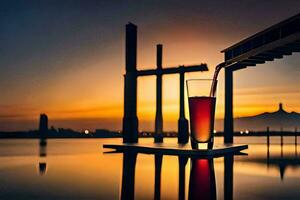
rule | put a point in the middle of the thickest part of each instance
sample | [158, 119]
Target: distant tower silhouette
[43, 123]
[43, 129]
[280, 107]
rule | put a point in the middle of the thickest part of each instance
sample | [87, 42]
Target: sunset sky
[66, 59]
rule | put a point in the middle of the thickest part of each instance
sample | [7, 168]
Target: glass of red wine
[202, 102]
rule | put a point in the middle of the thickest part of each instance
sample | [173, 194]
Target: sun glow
[89, 88]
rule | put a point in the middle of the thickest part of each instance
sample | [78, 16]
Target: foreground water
[79, 169]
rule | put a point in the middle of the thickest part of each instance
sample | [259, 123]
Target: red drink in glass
[202, 102]
[202, 113]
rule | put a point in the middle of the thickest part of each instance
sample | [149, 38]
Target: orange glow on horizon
[91, 87]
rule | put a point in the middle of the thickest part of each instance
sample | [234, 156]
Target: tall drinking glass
[202, 102]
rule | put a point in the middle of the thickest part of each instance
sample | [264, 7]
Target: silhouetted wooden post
[183, 125]
[296, 142]
[281, 141]
[228, 119]
[296, 134]
[268, 146]
[130, 120]
[158, 137]
[268, 136]
[281, 136]
[182, 164]
[182, 122]
[157, 183]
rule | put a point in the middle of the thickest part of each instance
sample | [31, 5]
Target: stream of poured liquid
[214, 82]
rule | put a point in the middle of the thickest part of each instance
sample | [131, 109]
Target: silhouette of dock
[130, 120]
[279, 40]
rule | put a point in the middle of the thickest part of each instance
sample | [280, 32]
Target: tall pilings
[183, 125]
[158, 116]
[130, 120]
[228, 119]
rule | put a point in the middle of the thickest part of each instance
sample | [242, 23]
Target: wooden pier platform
[177, 149]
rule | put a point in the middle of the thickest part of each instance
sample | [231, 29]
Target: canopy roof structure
[272, 43]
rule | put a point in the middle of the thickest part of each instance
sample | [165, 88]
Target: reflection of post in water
[129, 162]
[228, 177]
[282, 171]
[281, 142]
[268, 136]
[281, 151]
[281, 165]
[268, 145]
[182, 164]
[281, 136]
[296, 134]
[268, 155]
[43, 149]
[42, 168]
[43, 130]
[158, 163]
[202, 179]
[43, 153]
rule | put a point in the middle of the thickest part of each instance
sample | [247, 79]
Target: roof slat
[274, 42]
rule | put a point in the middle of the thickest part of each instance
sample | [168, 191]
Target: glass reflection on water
[202, 179]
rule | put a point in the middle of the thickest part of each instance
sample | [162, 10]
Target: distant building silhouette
[280, 107]
[43, 123]
[43, 129]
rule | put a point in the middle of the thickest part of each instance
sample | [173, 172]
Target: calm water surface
[79, 169]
